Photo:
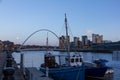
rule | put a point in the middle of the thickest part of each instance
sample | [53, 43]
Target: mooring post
[22, 63]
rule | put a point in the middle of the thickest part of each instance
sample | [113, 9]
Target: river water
[36, 58]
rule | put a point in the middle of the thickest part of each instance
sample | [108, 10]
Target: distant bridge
[35, 33]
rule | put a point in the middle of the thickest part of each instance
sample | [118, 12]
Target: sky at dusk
[20, 18]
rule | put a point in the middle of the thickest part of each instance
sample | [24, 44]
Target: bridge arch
[35, 33]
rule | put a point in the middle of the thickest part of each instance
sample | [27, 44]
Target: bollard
[8, 73]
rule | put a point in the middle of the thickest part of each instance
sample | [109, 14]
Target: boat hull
[95, 72]
[66, 73]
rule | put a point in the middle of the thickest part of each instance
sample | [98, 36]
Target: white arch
[35, 33]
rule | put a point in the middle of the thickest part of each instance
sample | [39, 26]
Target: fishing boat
[96, 69]
[73, 69]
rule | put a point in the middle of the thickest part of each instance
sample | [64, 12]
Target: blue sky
[20, 18]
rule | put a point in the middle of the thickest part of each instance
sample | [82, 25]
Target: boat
[73, 69]
[96, 69]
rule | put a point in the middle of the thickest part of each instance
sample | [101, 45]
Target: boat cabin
[76, 60]
[50, 61]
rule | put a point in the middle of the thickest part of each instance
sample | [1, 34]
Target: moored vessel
[73, 69]
[96, 69]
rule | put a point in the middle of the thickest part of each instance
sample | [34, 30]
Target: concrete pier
[34, 74]
[18, 75]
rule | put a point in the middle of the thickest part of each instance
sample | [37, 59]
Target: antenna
[47, 43]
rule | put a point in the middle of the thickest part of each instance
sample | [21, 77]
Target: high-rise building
[84, 40]
[63, 42]
[96, 38]
[76, 42]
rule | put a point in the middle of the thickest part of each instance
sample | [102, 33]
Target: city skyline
[20, 18]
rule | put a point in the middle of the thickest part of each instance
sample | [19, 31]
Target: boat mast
[67, 39]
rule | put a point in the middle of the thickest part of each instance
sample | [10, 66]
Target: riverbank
[72, 50]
